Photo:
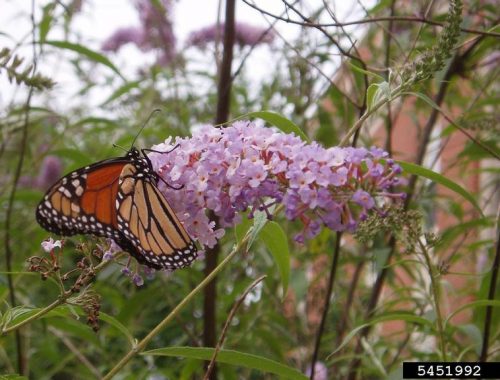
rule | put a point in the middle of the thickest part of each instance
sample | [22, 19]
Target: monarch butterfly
[118, 198]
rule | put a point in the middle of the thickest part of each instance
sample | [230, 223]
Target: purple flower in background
[248, 167]
[245, 35]
[320, 371]
[123, 36]
[155, 32]
[50, 172]
[156, 21]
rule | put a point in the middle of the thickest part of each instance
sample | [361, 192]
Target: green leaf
[118, 325]
[121, 91]
[377, 92]
[241, 229]
[279, 121]
[406, 317]
[18, 314]
[442, 180]
[13, 377]
[75, 155]
[370, 94]
[474, 334]
[479, 303]
[380, 5]
[28, 195]
[363, 71]
[425, 98]
[276, 242]
[46, 21]
[232, 357]
[259, 221]
[86, 52]
[454, 231]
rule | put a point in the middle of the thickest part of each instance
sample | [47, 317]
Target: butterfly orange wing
[83, 201]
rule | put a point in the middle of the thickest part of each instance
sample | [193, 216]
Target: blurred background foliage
[183, 85]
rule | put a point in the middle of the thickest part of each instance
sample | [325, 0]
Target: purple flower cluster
[50, 172]
[155, 33]
[245, 35]
[249, 167]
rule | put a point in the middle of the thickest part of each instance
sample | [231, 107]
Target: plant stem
[222, 115]
[37, 315]
[369, 112]
[326, 306]
[229, 319]
[491, 295]
[436, 291]
[61, 300]
[143, 343]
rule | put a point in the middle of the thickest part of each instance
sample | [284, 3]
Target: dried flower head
[90, 302]
[405, 226]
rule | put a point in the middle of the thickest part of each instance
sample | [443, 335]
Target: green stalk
[369, 112]
[61, 300]
[436, 291]
[143, 343]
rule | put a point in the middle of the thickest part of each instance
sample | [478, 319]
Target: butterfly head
[133, 153]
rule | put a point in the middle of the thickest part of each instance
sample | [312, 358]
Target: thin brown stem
[22, 360]
[229, 319]
[368, 21]
[222, 115]
[78, 354]
[326, 306]
[388, 119]
[343, 324]
[344, 52]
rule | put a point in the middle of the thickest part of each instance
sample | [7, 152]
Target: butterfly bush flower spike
[249, 167]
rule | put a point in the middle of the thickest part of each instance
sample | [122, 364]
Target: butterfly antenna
[118, 146]
[144, 125]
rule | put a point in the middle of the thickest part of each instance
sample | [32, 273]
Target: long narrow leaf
[118, 325]
[236, 358]
[479, 303]
[86, 52]
[276, 242]
[122, 90]
[406, 317]
[259, 221]
[279, 121]
[442, 180]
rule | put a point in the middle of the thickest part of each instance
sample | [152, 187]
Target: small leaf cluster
[12, 64]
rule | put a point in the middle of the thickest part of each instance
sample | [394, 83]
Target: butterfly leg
[157, 151]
